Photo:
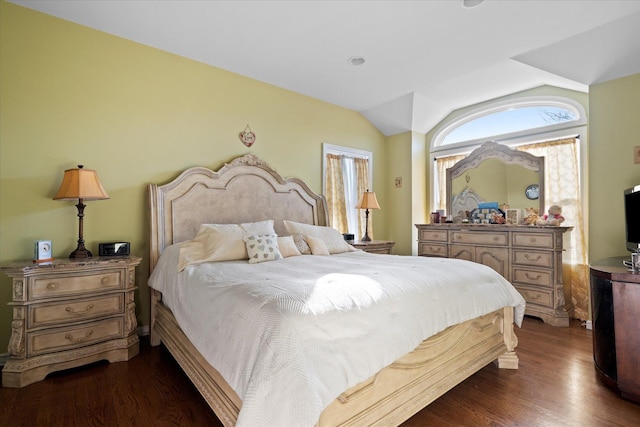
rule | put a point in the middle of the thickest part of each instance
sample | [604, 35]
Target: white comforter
[290, 335]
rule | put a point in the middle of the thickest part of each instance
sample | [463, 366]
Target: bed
[248, 190]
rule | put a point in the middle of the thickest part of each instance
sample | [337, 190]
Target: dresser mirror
[495, 173]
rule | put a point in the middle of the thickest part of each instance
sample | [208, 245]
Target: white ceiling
[424, 59]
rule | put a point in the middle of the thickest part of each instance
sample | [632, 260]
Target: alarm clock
[42, 251]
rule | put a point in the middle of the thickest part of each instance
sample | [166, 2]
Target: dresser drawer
[532, 277]
[533, 240]
[543, 297]
[533, 258]
[75, 284]
[47, 314]
[437, 235]
[59, 339]
[480, 238]
[432, 249]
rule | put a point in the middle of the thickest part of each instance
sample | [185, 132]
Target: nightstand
[375, 246]
[69, 313]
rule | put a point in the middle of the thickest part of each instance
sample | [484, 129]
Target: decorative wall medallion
[247, 137]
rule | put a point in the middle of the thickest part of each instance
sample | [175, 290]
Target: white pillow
[220, 242]
[332, 238]
[258, 228]
[287, 246]
[214, 242]
[318, 247]
[262, 248]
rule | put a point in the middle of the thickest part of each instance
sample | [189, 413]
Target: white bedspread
[290, 335]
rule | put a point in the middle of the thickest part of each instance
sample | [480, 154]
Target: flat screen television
[632, 217]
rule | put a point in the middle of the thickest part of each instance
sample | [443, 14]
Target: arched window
[509, 120]
[553, 127]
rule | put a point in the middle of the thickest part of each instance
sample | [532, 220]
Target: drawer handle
[70, 310]
[529, 297]
[495, 238]
[86, 337]
[53, 286]
[436, 249]
[531, 277]
[104, 280]
[532, 239]
[531, 258]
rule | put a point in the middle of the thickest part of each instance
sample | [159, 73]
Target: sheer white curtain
[562, 187]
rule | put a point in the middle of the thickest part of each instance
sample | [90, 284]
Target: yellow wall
[72, 95]
[614, 129]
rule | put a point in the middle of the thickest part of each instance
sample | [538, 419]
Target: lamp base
[80, 253]
[365, 238]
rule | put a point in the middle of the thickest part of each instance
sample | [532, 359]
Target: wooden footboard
[389, 397]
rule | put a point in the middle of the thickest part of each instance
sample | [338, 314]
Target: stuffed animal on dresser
[553, 217]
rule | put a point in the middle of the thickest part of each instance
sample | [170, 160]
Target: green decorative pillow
[262, 248]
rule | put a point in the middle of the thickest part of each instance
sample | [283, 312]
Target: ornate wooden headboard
[245, 190]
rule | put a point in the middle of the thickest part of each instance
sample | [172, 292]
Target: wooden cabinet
[531, 258]
[375, 246]
[615, 308]
[69, 313]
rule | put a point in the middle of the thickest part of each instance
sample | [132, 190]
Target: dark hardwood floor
[556, 385]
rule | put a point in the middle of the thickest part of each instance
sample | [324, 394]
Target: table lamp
[82, 184]
[367, 201]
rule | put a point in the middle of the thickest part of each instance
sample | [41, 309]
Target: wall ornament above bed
[247, 136]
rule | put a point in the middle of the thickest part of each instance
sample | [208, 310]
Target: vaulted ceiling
[423, 59]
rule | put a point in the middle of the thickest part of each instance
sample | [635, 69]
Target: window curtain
[334, 188]
[562, 187]
[442, 164]
[346, 178]
[362, 185]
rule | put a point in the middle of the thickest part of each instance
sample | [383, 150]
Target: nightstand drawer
[438, 235]
[75, 284]
[532, 258]
[541, 297]
[482, 238]
[47, 314]
[433, 249]
[533, 240]
[59, 339]
[532, 277]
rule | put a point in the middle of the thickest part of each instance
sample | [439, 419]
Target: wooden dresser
[530, 257]
[69, 313]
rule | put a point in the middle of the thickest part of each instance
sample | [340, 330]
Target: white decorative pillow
[301, 244]
[214, 242]
[262, 248]
[332, 238]
[318, 247]
[287, 246]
